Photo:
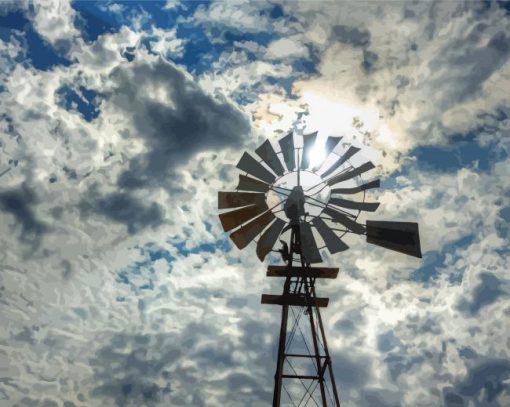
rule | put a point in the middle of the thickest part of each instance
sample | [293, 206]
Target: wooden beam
[315, 272]
[293, 299]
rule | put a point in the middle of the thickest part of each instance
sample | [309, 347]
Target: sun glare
[317, 155]
[328, 116]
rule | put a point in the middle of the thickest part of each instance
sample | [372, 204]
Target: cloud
[19, 203]
[485, 379]
[285, 48]
[126, 209]
[175, 118]
[484, 294]
[239, 15]
[55, 23]
[135, 296]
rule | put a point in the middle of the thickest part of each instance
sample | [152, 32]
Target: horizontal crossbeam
[292, 376]
[294, 299]
[294, 355]
[314, 272]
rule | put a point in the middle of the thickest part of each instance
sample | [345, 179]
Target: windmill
[306, 204]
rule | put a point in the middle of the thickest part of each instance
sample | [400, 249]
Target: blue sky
[120, 122]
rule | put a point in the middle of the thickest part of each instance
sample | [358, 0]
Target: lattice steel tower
[297, 194]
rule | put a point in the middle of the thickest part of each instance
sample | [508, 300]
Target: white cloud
[93, 315]
[238, 15]
[54, 21]
[286, 48]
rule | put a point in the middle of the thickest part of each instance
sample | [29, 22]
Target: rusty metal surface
[308, 245]
[267, 153]
[245, 234]
[251, 184]
[352, 173]
[361, 206]
[372, 184]
[231, 220]
[333, 242]
[402, 237]
[268, 238]
[349, 223]
[294, 299]
[314, 272]
[248, 164]
[227, 200]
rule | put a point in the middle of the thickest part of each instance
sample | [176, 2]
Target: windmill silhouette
[306, 205]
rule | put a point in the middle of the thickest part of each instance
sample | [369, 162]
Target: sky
[120, 122]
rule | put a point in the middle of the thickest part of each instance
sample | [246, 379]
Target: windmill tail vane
[307, 208]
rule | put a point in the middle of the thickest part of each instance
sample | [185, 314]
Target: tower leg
[320, 370]
[281, 351]
[328, 359]
[304, 288]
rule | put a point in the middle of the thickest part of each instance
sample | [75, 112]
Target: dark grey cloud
[125, 208]
[351, 36]
[401, 363]
[485, 293]
[369, 60]
[145, 369]
[452, 399]
[470, 64]
[386, 341]
[350, 324]
[488, 376]
[467, 353]
[26, 335]
[351, 371]
[174, 130]
[379, 397]
[19, 202]
[503, 223]
[357, 38]
[127, 372]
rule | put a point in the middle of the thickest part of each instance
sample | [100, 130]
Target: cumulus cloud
[175, 118]
[286, 48]
[118, 285]
[54, 21]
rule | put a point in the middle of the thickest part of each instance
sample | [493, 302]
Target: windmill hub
[313, 189]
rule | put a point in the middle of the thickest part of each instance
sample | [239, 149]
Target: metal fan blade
[352, 173]
[228, 200]
[233, 219]
[245, 234]
[253, 167]
[287, 146]
[333, 242]
[268, 238]
[348, 154]
[339, 217]
[402, 237]
[308, 143]
[308, 245]
[251, 184]
[372, 184]
[330, 145]
[361, 206]
[267, 153]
